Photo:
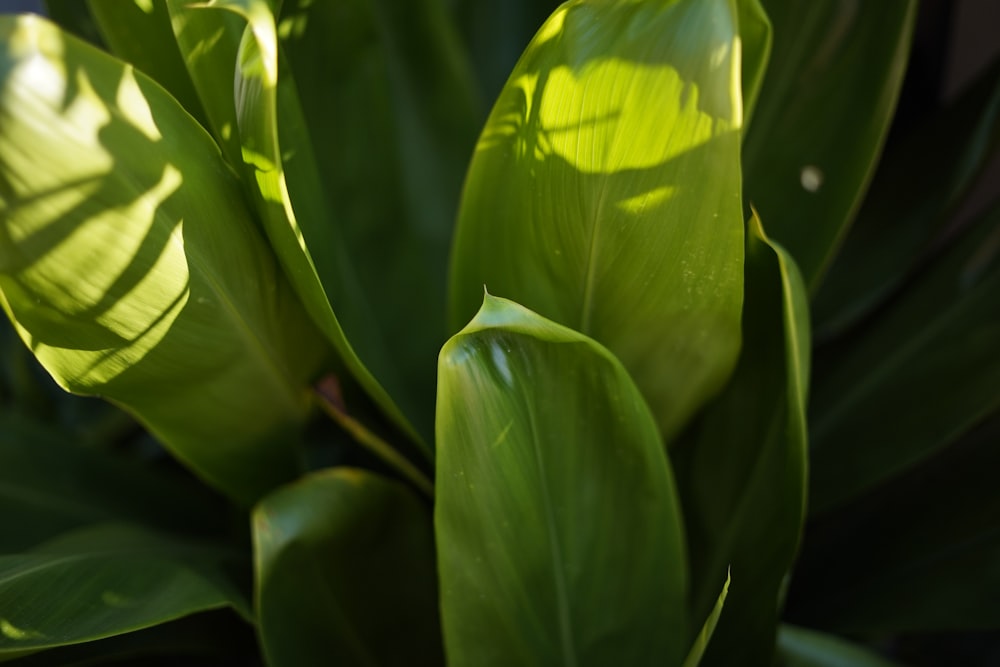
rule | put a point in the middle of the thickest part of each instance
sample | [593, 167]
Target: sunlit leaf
[295, 207]
[139, 32]
[558, 530]
[104, 581]
[830, 91]
[742, 474]
[132, 268]
[917, 377]
[605, 192]
[346, 573]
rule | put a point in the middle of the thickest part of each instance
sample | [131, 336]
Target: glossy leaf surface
[810, 153]
[743, 473]
[346, 573]
[558, 530]
[935, 347]
[103, 581]
[132, 268]
[604, 192]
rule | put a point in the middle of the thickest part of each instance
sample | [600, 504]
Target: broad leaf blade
[290, 196]
[910, 206]
[104, 581]
[605, 192]
[346, 573]
[934, 347]
[755, 45]
[132, 268]
[558, 531]
[49, 485]
[810, 153]
[139, 32]
[743, 473]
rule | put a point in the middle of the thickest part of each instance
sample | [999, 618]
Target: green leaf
[604, 192]
[346, 573]
[558, 530]
[917, 377]
[755, 44]
[910, 206]
[291, 199]
[139, 32]
[391, 165]
[918, 554]
[799, 647]
[810, 153]
[701, 641]
[103, 581]
[742, 472]
[75, 17]
[132, 268]
[49, 485]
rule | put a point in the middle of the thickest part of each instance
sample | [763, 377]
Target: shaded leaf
[346, 573]
[917, 554]
[909, 205]
[605, 192]
[558, 531]
[810, 153]
[278, 152]
[755, 45]
[799, 647]
[103, 581]
[742, 473]
[132, 269]
[935, 347]
[49, 485]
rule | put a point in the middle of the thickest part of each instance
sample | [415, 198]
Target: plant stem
[328, 396]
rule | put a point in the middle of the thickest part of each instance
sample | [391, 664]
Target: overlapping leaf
[825, 107]
[558, 531]
[800, 647]
[605, 192]
[346, 573]
[743, 473]
[132, 268]
[934, 347]
[103, 581]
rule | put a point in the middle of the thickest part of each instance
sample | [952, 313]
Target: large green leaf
[742, 474]
[605, 192]
[292, 199]
[909, 205]
[139, 32]
[558, 530]
[103, 581]
[918, 376]
[827, 100]
[800, 647]
[918, 554]
[392, 128]
[346, 573]
[132, 268]
[49, 485]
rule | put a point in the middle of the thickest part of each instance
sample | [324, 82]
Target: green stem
[328, 396]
